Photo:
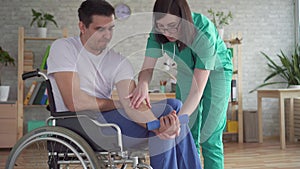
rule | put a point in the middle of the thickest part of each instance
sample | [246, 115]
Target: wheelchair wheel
[52, 147]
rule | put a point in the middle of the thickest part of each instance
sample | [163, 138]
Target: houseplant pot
[294, 86]
[4, 93]
[42, 18]
[42, 32]
[288, 70]
[5, 60]
[221, 32]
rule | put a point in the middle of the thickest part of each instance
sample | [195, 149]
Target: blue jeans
[178, 153]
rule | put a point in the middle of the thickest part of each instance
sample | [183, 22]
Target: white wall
[265, 25]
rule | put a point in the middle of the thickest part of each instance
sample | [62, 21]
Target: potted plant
[42, 19]
[5, 60]
[220, 19]
[288, 70]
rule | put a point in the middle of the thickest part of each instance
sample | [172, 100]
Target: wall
[265, 25]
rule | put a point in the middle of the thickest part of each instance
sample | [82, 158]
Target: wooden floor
[246, 156]
[267, 155]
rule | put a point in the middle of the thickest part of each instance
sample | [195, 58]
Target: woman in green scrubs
[204, 75]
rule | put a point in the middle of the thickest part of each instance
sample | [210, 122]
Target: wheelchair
[64, 143]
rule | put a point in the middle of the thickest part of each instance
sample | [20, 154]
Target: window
[297, 26]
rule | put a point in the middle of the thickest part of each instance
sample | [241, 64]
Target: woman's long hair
[181, 9]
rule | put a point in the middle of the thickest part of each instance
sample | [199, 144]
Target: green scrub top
[207, 51]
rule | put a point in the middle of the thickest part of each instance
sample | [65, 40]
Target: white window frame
[297, 26]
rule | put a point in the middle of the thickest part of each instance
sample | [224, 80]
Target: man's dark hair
[89, 8]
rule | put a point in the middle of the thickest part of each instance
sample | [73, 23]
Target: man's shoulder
[69, 41]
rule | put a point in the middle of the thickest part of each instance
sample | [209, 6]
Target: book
[28, 55]
[44, 61]
[44, 98]
[40, 94]
[28, 60]
[28, 63]
[29, 93]
[34, 93]
[233, 91]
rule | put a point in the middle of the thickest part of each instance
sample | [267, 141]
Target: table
[281, 94]
[153, 96]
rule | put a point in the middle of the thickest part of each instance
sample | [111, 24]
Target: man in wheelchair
[83, 72]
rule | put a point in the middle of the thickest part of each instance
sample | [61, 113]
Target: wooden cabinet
[21, 49]
[8, 124]
[236, 105]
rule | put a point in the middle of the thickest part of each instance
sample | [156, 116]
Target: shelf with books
[26, 63]
[34, 106]
[235, 109]
[37, 94]
[228, 133]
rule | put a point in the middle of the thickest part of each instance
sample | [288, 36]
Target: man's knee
[164, 107]
[175, 104]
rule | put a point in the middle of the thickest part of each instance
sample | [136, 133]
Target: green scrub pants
[210, 119]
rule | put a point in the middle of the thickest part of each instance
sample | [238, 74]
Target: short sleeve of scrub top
[204, 45]
[203, 49]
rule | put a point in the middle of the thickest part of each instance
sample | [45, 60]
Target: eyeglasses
[171, 29]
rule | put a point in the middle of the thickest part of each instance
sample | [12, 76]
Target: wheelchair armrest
[65, 113]
[116, 127]
[81, 115]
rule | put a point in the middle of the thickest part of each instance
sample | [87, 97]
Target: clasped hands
[169, 124]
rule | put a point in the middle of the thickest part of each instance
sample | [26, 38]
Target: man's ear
[82, 27]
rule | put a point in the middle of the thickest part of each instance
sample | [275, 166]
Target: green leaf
[41, 18]
[288, 69]
[5, 58]
[219, 18]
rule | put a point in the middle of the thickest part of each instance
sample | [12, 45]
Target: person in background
[83, 72]
[204, 75]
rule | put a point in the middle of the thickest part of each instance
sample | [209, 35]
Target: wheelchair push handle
[35, 73]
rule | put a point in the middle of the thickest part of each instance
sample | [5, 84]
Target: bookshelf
[236, 103]
[22, 40]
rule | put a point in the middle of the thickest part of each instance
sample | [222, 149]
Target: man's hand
[169, 126]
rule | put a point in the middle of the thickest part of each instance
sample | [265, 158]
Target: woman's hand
[139, 94]
[169, 126]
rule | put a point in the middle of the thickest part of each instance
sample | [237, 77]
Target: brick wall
[265, 25]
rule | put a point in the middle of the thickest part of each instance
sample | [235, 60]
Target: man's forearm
[142, 115]
[108, 104]
[87, 102]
